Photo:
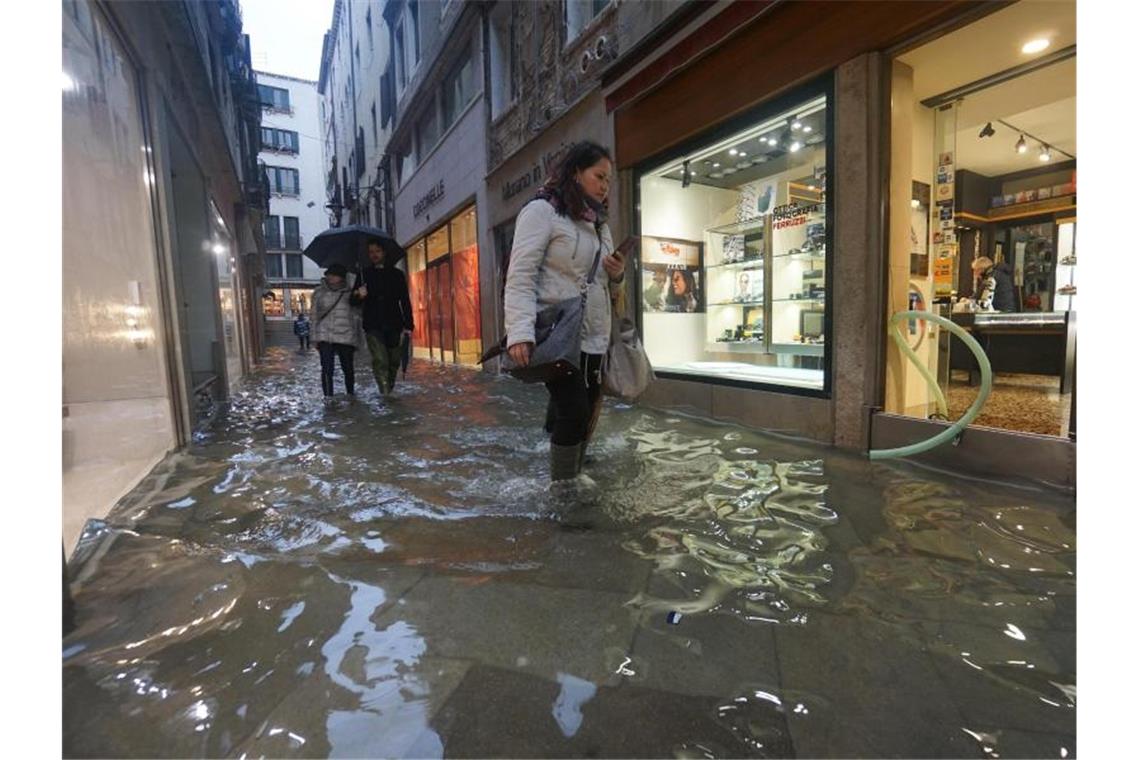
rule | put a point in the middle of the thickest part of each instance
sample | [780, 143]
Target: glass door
[441, 329]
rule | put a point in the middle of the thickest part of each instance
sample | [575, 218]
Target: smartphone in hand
[628, 246]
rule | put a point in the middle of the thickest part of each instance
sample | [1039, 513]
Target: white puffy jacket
[342, 320]
[550, 260]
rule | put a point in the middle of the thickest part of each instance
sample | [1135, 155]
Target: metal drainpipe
[353, 213]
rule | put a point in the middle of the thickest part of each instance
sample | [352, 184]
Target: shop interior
[984, 154]
[733, 260]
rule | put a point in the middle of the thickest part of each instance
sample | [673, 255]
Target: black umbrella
[349, 246]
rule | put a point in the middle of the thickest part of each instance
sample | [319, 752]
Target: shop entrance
[441, 326]
[983, 216]
[443, 282]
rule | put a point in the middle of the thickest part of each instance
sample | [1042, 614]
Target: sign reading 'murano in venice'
[432, 197]
[536, 175]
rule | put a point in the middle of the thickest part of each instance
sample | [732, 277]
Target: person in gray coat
[336, 325]
[557, 235]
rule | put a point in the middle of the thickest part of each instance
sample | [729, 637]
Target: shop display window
[273, 302]
[734, 254]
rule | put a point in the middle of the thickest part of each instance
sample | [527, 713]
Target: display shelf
[757, 263]
[744, 346]
[740, 228]
[801, 349]
[819, 299]
[800, 255]
[738, 303]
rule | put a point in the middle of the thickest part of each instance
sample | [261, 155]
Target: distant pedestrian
[558, 237]
[301, 327]
[387, 314]
[336, 325]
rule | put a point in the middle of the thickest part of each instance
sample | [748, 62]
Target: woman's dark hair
[690, 287]
[562, 181]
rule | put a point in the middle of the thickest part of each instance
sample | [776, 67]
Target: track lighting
[686, 174]
[1021, 146]
[988, 130]
[1045, 155]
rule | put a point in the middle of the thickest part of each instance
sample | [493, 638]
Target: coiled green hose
[987, 383]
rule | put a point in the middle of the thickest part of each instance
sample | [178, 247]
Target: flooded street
[394, 579]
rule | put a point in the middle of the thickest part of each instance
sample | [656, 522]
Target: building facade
[785, 217]
[853, 175]
[162, 240]
[292, 156]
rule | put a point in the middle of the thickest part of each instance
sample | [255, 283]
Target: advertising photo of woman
[682, 295]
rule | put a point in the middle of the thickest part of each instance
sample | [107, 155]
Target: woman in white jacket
[336, 327]
[557, 236]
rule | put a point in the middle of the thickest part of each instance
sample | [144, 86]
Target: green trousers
[385, 362]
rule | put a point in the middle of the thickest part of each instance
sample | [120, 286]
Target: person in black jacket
[993, 285]
[387, 314]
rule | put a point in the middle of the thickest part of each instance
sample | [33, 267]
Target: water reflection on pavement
[394, 579]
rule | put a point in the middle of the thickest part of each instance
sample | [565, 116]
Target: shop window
[273, 303]
[734, 254]
[300, 301]
[983, 215]
[465, 274]
[437, 244]
[417, 291]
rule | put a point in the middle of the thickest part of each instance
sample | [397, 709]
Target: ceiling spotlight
[914, 203]
[772, 141]
[715, 164]
[797, 125]
[988, 130]
[1021, 146]
[796, 145]
[807, 128]
[741, 153]
[732, 152]
[1035, 46]
[1045, 155]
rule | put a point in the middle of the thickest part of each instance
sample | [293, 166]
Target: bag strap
[329, 311]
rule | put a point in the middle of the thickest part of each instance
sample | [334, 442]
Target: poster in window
[671, 275]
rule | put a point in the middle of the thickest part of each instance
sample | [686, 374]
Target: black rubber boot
[564, 461]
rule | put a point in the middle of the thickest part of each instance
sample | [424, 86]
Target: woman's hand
[614, 264]
[520, 353]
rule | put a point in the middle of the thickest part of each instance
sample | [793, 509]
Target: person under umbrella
[387, 314]
[336, 324]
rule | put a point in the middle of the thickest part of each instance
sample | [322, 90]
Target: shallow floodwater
[393, 579]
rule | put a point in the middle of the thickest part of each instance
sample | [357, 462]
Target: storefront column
[902, 161]
[861, 101]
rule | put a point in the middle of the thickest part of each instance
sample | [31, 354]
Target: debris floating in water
[673, 617]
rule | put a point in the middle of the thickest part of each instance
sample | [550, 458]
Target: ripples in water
[359, 578]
